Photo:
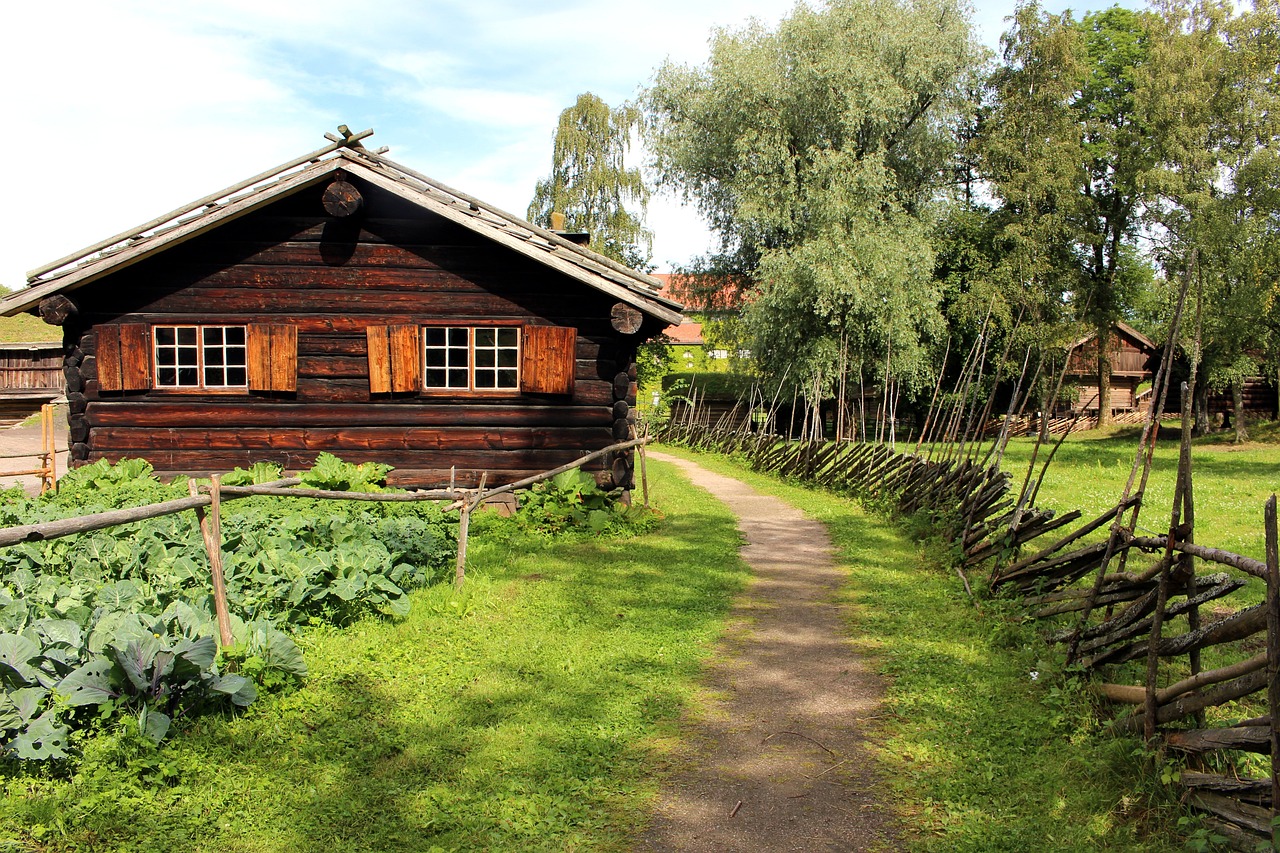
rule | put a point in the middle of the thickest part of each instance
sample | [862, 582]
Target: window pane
[508, 378]
[507, 358]
[213, 357]
[213, 336]
[435, 377]
[187, 335]
[458, 378]
[234, 335]
[237, 376]
[166, 356]
[508, 336]
[188, 356]
[484, 338]
[457, 337]
[485, 357]
[166, 376]
[165, 336]
[188, 376]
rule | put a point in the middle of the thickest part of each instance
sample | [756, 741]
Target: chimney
[582, 238]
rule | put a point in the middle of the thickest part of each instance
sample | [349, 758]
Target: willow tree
[591, 184]
[813, 151]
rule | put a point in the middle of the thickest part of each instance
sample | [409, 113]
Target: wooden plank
[547, 362]
[240, 412]
[258, 356]
[1273, 656]
[338, 440]
[225, 460]
[379, 338]
[406, 358]
[284, 357]
[107, 358]
[135, 357]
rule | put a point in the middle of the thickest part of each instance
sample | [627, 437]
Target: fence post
[211, 531]
[1273, 660]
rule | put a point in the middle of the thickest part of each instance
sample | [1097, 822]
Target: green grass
[979, 755]
[1230, 483]
[531, 711]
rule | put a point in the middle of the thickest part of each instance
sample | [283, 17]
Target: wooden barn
[1133, 360]
[345, 303]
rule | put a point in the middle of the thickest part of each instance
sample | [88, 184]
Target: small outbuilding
[343, 302]
[1134, 357]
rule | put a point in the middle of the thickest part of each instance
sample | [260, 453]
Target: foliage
[591, 184]
[120, 621]
[573, 499]
[332, 474]
[813, 151]
[532, 709]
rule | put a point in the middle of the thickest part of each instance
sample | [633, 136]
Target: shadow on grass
[528, 711]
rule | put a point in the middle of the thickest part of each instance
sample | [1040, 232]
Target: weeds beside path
[781, 759]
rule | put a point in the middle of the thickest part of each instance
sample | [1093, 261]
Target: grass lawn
[531, 711]
[1231, 482]
[986, 743]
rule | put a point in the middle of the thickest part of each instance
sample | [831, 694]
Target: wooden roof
[1123, 328]
[348, 154]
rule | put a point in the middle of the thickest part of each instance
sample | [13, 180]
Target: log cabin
[1134, 357]
[343, 302]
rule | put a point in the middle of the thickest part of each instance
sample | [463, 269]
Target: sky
[118, 111]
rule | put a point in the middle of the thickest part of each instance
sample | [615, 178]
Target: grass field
[1231, 482]
[531, 711]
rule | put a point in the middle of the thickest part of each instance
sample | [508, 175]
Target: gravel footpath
[780, 759]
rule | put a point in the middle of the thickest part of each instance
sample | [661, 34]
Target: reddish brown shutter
[123, 357]
[395, 359]
[547, 359]
[272, 356]
[406, 359]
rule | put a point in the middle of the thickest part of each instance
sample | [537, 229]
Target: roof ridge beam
[349, 140]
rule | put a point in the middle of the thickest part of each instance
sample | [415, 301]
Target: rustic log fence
[47, 470]
[212, 496]
[1123, 615]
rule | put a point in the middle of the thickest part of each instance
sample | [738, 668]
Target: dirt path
[779, 760]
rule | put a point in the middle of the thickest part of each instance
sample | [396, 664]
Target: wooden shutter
[395, 359]
[547, 359]
[272, 357]
[123, 357]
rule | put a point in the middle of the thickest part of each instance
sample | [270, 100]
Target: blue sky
[117, 111]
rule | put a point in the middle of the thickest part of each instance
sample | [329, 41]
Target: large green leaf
[42, 740]
[89, 684]
[16, 654]
[153, 724]
[20, 707]
[119, 595]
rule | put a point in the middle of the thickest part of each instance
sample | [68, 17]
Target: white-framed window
[200, 357]
[471, 358]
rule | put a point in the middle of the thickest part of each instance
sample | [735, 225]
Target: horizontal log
[347, 390]
[179, 413]
[296, 460]
[1257, 568]
[1245, 738]
[347, 322]
[1184, 707]
[1251, 817]
[102, 520]
[339, 441]
[1233, 785]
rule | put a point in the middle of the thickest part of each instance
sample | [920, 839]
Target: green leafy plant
[572, 499]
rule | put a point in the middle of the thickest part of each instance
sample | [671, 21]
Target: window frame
[201, 346]
[472, 326]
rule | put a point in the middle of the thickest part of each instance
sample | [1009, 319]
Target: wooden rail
[465, 501]
[47, 470]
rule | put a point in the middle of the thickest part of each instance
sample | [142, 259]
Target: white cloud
[129, 108]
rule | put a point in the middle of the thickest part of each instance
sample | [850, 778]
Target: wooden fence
[47, 469]
[1123, 615]
[211, 497]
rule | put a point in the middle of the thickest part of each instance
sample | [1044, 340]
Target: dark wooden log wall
[393, 263]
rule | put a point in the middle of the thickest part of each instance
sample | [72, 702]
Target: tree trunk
[1104, 375]
[1201, 401]
[1237, 403]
